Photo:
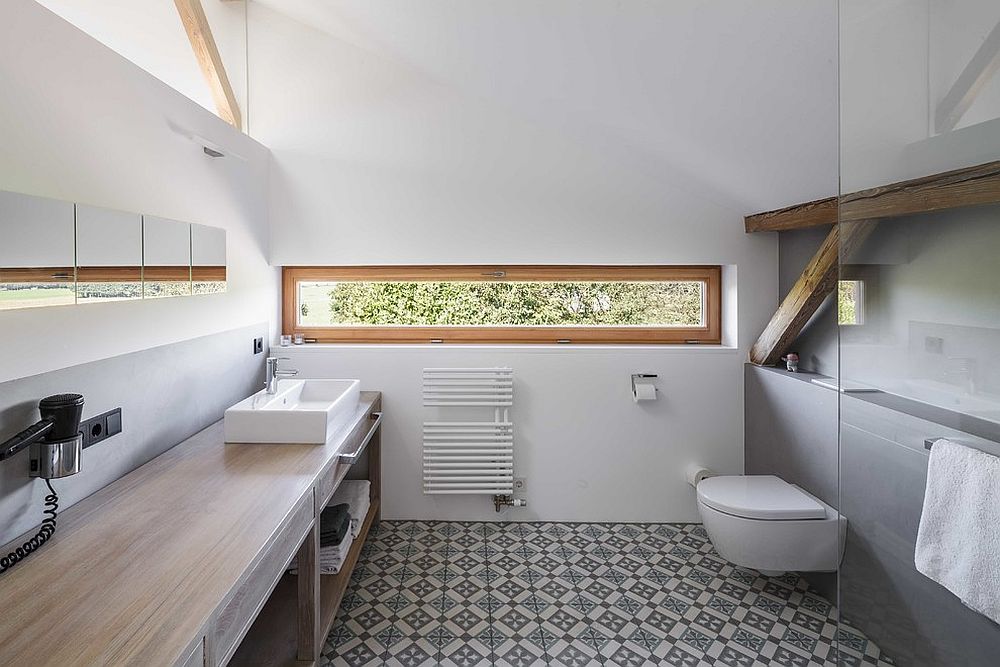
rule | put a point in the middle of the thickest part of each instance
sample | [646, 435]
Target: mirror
[108, 255]
[208, 259]
[166, 257]
[36, 252]
[58, 253]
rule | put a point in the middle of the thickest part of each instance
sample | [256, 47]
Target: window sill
[618, 348]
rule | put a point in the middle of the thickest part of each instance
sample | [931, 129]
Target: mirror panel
[36, 252]
[108, 255]
[208, 259]
[59, 253]
[166, 257]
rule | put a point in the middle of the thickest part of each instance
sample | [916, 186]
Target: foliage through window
[850, 302]
[511, 304]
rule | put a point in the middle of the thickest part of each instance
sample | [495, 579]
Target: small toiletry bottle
[286, 340]
[299, 339]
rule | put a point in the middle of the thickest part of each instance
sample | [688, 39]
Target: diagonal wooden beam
[818, 280]
[207, 53]
[857, 213]
[970, 82]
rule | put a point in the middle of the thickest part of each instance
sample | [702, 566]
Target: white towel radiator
[469, 457]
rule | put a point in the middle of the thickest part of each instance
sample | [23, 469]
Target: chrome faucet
[273, 374]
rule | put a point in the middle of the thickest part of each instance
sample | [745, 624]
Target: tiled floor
[520, 594]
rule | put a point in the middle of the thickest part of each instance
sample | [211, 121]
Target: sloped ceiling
[738, 99]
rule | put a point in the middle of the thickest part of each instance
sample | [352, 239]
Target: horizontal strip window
[504, 304]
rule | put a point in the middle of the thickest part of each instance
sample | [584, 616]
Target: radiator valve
[508, 501]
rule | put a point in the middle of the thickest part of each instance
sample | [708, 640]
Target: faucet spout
[272, 374]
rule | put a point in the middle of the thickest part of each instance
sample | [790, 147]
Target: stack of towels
[335, 539]
[356, 494]
[340, 522]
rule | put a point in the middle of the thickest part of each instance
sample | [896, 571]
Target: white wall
[898, 59]
[80, 123]
[378, 160]
[588, 451]
[150, 34]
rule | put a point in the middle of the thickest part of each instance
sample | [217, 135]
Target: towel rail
[930, 442]
[469, 457]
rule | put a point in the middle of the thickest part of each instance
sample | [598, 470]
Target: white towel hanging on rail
[958, 542]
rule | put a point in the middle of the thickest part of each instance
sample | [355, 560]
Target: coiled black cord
[44, 533]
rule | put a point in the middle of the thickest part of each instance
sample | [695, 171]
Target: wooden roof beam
[969, 186]
[207, 53]
[800, 216]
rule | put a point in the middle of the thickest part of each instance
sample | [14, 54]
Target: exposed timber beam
[207, 53]
[969, 186]
[970, 82]
[818, 280]
[811, 214]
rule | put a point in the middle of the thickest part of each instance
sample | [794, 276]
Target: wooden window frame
[709, 334]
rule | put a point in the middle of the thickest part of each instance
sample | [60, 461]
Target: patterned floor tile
[528, 594]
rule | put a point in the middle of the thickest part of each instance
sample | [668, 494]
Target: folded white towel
[331, 558]
[357, 494]
[958, 543]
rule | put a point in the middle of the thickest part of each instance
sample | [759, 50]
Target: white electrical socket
[520, 485]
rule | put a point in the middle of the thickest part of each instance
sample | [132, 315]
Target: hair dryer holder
[56, 459]
[55, 441]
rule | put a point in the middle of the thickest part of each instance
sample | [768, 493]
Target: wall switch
[258, 345]
[520, 485]
[933, 345]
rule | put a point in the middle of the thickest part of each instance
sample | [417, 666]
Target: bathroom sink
[300, 411]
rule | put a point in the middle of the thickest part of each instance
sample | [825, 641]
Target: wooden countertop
[135, 572]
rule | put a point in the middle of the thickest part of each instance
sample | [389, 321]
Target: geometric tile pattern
[576, 594]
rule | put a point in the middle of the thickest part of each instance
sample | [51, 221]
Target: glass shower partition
[918, 307]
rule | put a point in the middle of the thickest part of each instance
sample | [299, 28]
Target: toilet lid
[759, 497]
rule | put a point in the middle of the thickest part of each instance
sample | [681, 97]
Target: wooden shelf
[333, 586]
[271, 639]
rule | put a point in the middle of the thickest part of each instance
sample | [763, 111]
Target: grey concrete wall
[166, 394]
[883, 476]
[791, 431]
[931, 308]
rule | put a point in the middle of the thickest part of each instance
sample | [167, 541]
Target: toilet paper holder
[643, 376]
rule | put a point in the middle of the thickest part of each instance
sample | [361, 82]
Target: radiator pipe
[508, 501]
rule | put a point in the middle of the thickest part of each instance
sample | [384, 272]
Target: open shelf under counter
[271, 640]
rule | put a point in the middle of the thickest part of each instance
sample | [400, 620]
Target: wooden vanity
[173, 563]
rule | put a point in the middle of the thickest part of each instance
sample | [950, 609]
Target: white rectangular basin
[300, 411]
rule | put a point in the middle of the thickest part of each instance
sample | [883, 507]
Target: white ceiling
[737, 99]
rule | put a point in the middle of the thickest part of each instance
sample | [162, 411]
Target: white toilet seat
[759, 497]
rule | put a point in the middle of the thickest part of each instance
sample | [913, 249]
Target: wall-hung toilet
[765, 523]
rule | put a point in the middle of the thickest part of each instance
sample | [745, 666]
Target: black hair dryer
[55, 440]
